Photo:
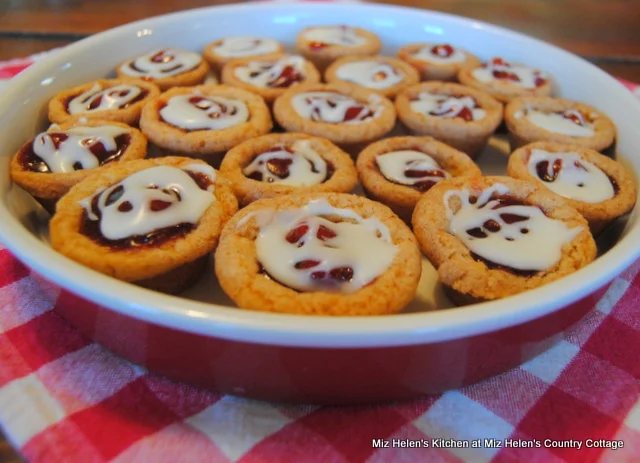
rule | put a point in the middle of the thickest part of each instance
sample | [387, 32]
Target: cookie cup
[170, 266]
[522, 131]
[503, 90]
[188, 78]
[203, 143]
[467, 280]
[402, 199]
[599, 215]
[243, 280]
[348, 136]
[59, 111]
[309, 72]
[342, 176]
[466, 136]
[428, 70]
[217, 61]
[48, 187]
[409, 74]
[323, 57]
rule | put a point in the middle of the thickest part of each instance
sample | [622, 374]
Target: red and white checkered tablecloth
[65, 399]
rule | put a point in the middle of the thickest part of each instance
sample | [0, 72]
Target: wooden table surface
[604, 32]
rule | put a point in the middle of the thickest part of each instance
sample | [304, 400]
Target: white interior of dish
[205, 309]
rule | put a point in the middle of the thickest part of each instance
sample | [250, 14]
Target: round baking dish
[202, 339]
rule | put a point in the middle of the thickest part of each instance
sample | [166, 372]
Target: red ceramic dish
[202, 339]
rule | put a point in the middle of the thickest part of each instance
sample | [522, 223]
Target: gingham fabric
[66, 399]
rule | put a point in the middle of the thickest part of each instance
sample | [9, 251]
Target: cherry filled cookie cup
[269, 77]
[598, 187]
[119, 100]
[462, 117]
[225, 50]
[166, 67]
[322, 45]
[312, 254]
[149, 222]
[204, 121]
[437, 61]
[348, 115]
[380, 73]
[493, 237]
[505, 81]
[554, 119]
[281, 164]
[48, 165]
[398, 171]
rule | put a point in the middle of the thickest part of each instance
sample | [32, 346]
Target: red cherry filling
[500, 62]
[162, 57]
[288, 76]
[542, 169]
[94, 100]
[206, 104]
[443, 51]
[325, 233]
[465, 113]
[316, 46]
[539, 81]
[295, 235]
[505, 75]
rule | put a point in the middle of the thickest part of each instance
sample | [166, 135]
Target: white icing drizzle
[577, 179]
[342, 246]
[269, 74]
[165, 62]
[185, 201]
[243, 46]
[537, 248]
[371, 74]
[332, 107]
[335, 35]
[441, 105]
[395, 164]
[501, 70]
[195, 111]
[558, 123]
[110, 98]
[76, 147]
[438, 54]
[304, 165]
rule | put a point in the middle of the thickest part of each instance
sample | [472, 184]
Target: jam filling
[94, 100]
[287, 77]
[443, 51]
[577, 117]
[91, 228]
[357, 111]
[29, 160]
[424, 185]
[491, 226]
[465, 113]
[317, 46]
[280, 167]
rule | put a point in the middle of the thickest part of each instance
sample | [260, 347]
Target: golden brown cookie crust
[247, 190]
[141, 263]
[503, 90]
[239, 274]
[402, 199]
[341, 134]
[205, 142]
[323, 57]
[53, 185]
[599, 215]
[188, 78]
[522, 131]
[467, 136]
[436, 71]
[58, 113]
[217, 61]
[311, 75]
[410, 75]
[469, 279]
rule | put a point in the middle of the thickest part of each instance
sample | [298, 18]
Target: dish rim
[231, 323]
